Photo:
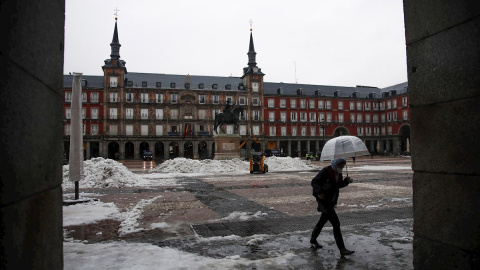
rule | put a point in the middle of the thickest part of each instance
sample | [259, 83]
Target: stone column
[308, 146]
[166, 150]
[317, 146]
[100, 149]
[181, 148]
[210, 149]
[195, 149]
[443, 64]
[31, 235]
[121, 149]
[136, 149]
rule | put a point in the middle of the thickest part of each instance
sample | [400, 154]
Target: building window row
[173, 85]
[93, 97]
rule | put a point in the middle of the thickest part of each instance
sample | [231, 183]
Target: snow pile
[101, 173]
[379, 168]
[287, 164]
[185, 165]
[87, 213]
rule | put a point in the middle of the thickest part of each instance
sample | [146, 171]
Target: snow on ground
[108, 173]
[390, 242]
[379, 168]
[123, 255]
[87, 213]
[208, 166]
[130, 218]
[242, 216]
[102, 173]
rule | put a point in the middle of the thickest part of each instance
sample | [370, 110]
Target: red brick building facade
[173, 115]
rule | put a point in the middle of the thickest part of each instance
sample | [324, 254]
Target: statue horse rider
[228, 116]
[228, 108]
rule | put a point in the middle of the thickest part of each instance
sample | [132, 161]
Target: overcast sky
[337, 42]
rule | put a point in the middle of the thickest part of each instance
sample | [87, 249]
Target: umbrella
[344, 146]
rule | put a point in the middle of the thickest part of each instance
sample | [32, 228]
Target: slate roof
[93, 81]
[180, 80]
[270, 88]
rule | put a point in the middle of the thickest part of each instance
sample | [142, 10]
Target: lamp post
[322, 124]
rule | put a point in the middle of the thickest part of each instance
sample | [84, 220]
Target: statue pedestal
[226, 146]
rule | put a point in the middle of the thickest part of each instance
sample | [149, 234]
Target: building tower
[252, 79]
[114, 72]
[114, 69]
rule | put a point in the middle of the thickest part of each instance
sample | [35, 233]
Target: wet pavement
[266, 216]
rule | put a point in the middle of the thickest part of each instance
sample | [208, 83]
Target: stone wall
[31, 68]
[443, 61]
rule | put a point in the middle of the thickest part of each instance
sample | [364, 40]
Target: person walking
[326, 185]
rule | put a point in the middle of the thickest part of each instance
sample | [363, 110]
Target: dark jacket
[324, 183]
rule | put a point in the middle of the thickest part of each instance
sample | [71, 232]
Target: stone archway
[113, 150]
[173, 150]
[159, 150]
[144, 146]
[341, 131]
[404, 133]
[129, 150]
[188, 150]
[202, 150]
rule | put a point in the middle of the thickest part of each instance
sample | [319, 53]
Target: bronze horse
[228, 118]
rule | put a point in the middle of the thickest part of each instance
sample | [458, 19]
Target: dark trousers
[331, 216]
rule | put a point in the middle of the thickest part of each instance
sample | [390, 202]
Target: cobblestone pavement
[268, 215]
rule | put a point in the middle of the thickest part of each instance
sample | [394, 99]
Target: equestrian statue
[228, 116]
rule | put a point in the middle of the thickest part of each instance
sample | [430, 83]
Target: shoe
[345, 251]
[315, 244]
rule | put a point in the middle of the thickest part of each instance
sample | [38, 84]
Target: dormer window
[201, 86]
[144, 84]
[158, 84]
[187, 86]
[130, 83]
[228, 87]
[214, 86]
[172, 85]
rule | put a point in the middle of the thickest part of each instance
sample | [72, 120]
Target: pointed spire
[251, 52]
[115, 45]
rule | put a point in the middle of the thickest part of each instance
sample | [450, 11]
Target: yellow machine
[257, 163]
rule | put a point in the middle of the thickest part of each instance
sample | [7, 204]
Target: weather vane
[251, 24]
[116, 13]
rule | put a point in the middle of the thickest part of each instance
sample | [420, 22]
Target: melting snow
[379, 168]
[87, 213]
[185, 165]
[102, 173]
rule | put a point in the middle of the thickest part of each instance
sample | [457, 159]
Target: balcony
[203, 133]
[173, 134]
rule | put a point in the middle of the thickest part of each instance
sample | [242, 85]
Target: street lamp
[322, 124]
